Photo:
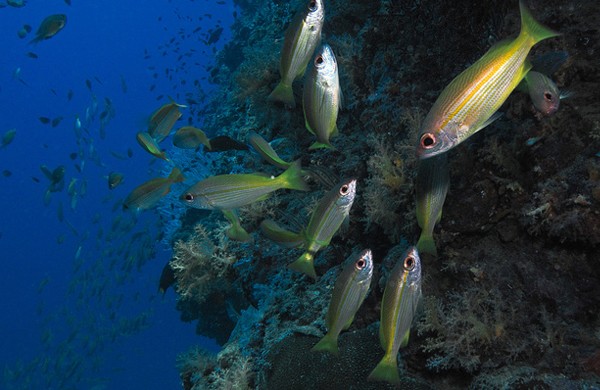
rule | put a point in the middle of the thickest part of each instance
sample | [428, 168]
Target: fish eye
[188, 197]
[344, 189]
[409, 263]
[428, 141]
[319, 60]
[360, 264]
[548, 96]
[312, 6]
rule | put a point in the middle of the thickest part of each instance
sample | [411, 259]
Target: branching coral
[389, 185]
[200, 262]
[229, 370]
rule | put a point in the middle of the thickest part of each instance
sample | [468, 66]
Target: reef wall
[512, 298]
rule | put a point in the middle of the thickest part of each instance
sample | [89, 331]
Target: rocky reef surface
[512, 300]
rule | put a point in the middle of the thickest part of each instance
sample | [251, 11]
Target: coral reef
[512, 298]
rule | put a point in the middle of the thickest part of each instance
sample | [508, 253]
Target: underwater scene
[306, 194]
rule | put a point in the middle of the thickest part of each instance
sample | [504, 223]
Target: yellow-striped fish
[301, 38]
[225, 192]
[324, 223]
[469, 102]
[400, 298]
[349, 292]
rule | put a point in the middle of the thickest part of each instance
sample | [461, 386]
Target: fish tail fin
[35, 40]
[238, 233]
[305, 265]
[320, 145]
[327, 344]
[426, 244]
[386, 370]
[176, 176]
[532, 28]
[283, 93]
[293, 178]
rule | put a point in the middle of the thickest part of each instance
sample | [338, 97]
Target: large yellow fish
[469, 102]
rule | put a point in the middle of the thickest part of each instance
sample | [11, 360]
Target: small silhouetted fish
[130, 152]
[88, 84]
[70, 95]
[16, 3]
[27, 28]
[114, 180]
[44, 120]
[222, 143]
[56, 121]
[50, 27]
[73, 156]
[35, 179]
[167, 278]
[214, 36]
[6, 173]
[32, 55]
[68, 2]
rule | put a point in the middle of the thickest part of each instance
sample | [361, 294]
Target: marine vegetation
[508, 217]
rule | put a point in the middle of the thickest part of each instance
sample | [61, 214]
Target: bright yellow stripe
[485, 83]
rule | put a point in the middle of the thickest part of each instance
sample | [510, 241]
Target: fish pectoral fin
[488, 122]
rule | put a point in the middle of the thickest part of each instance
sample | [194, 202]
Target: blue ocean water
[80, 275]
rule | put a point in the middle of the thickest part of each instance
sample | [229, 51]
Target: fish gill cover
[510, 284]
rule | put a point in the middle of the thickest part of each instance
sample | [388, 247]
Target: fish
[16, 3]
[162, 120]
[114, 180]
[190, 137]
[225, 192]
[322, 97]
[44, 120]
[148, 194]
[236, 231]
[398, 306]
[167, 278]
[56, 121]
[431, 188]
[8, 138]
[22, 33]
[6, 173]
[32, 55]
[223, 143]
[266, 151]
[350, 290]
[301, 38]
[150, 145]
[324, 222]
[544, 93]
[469, 103]
[49, 27]
[279, 235]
